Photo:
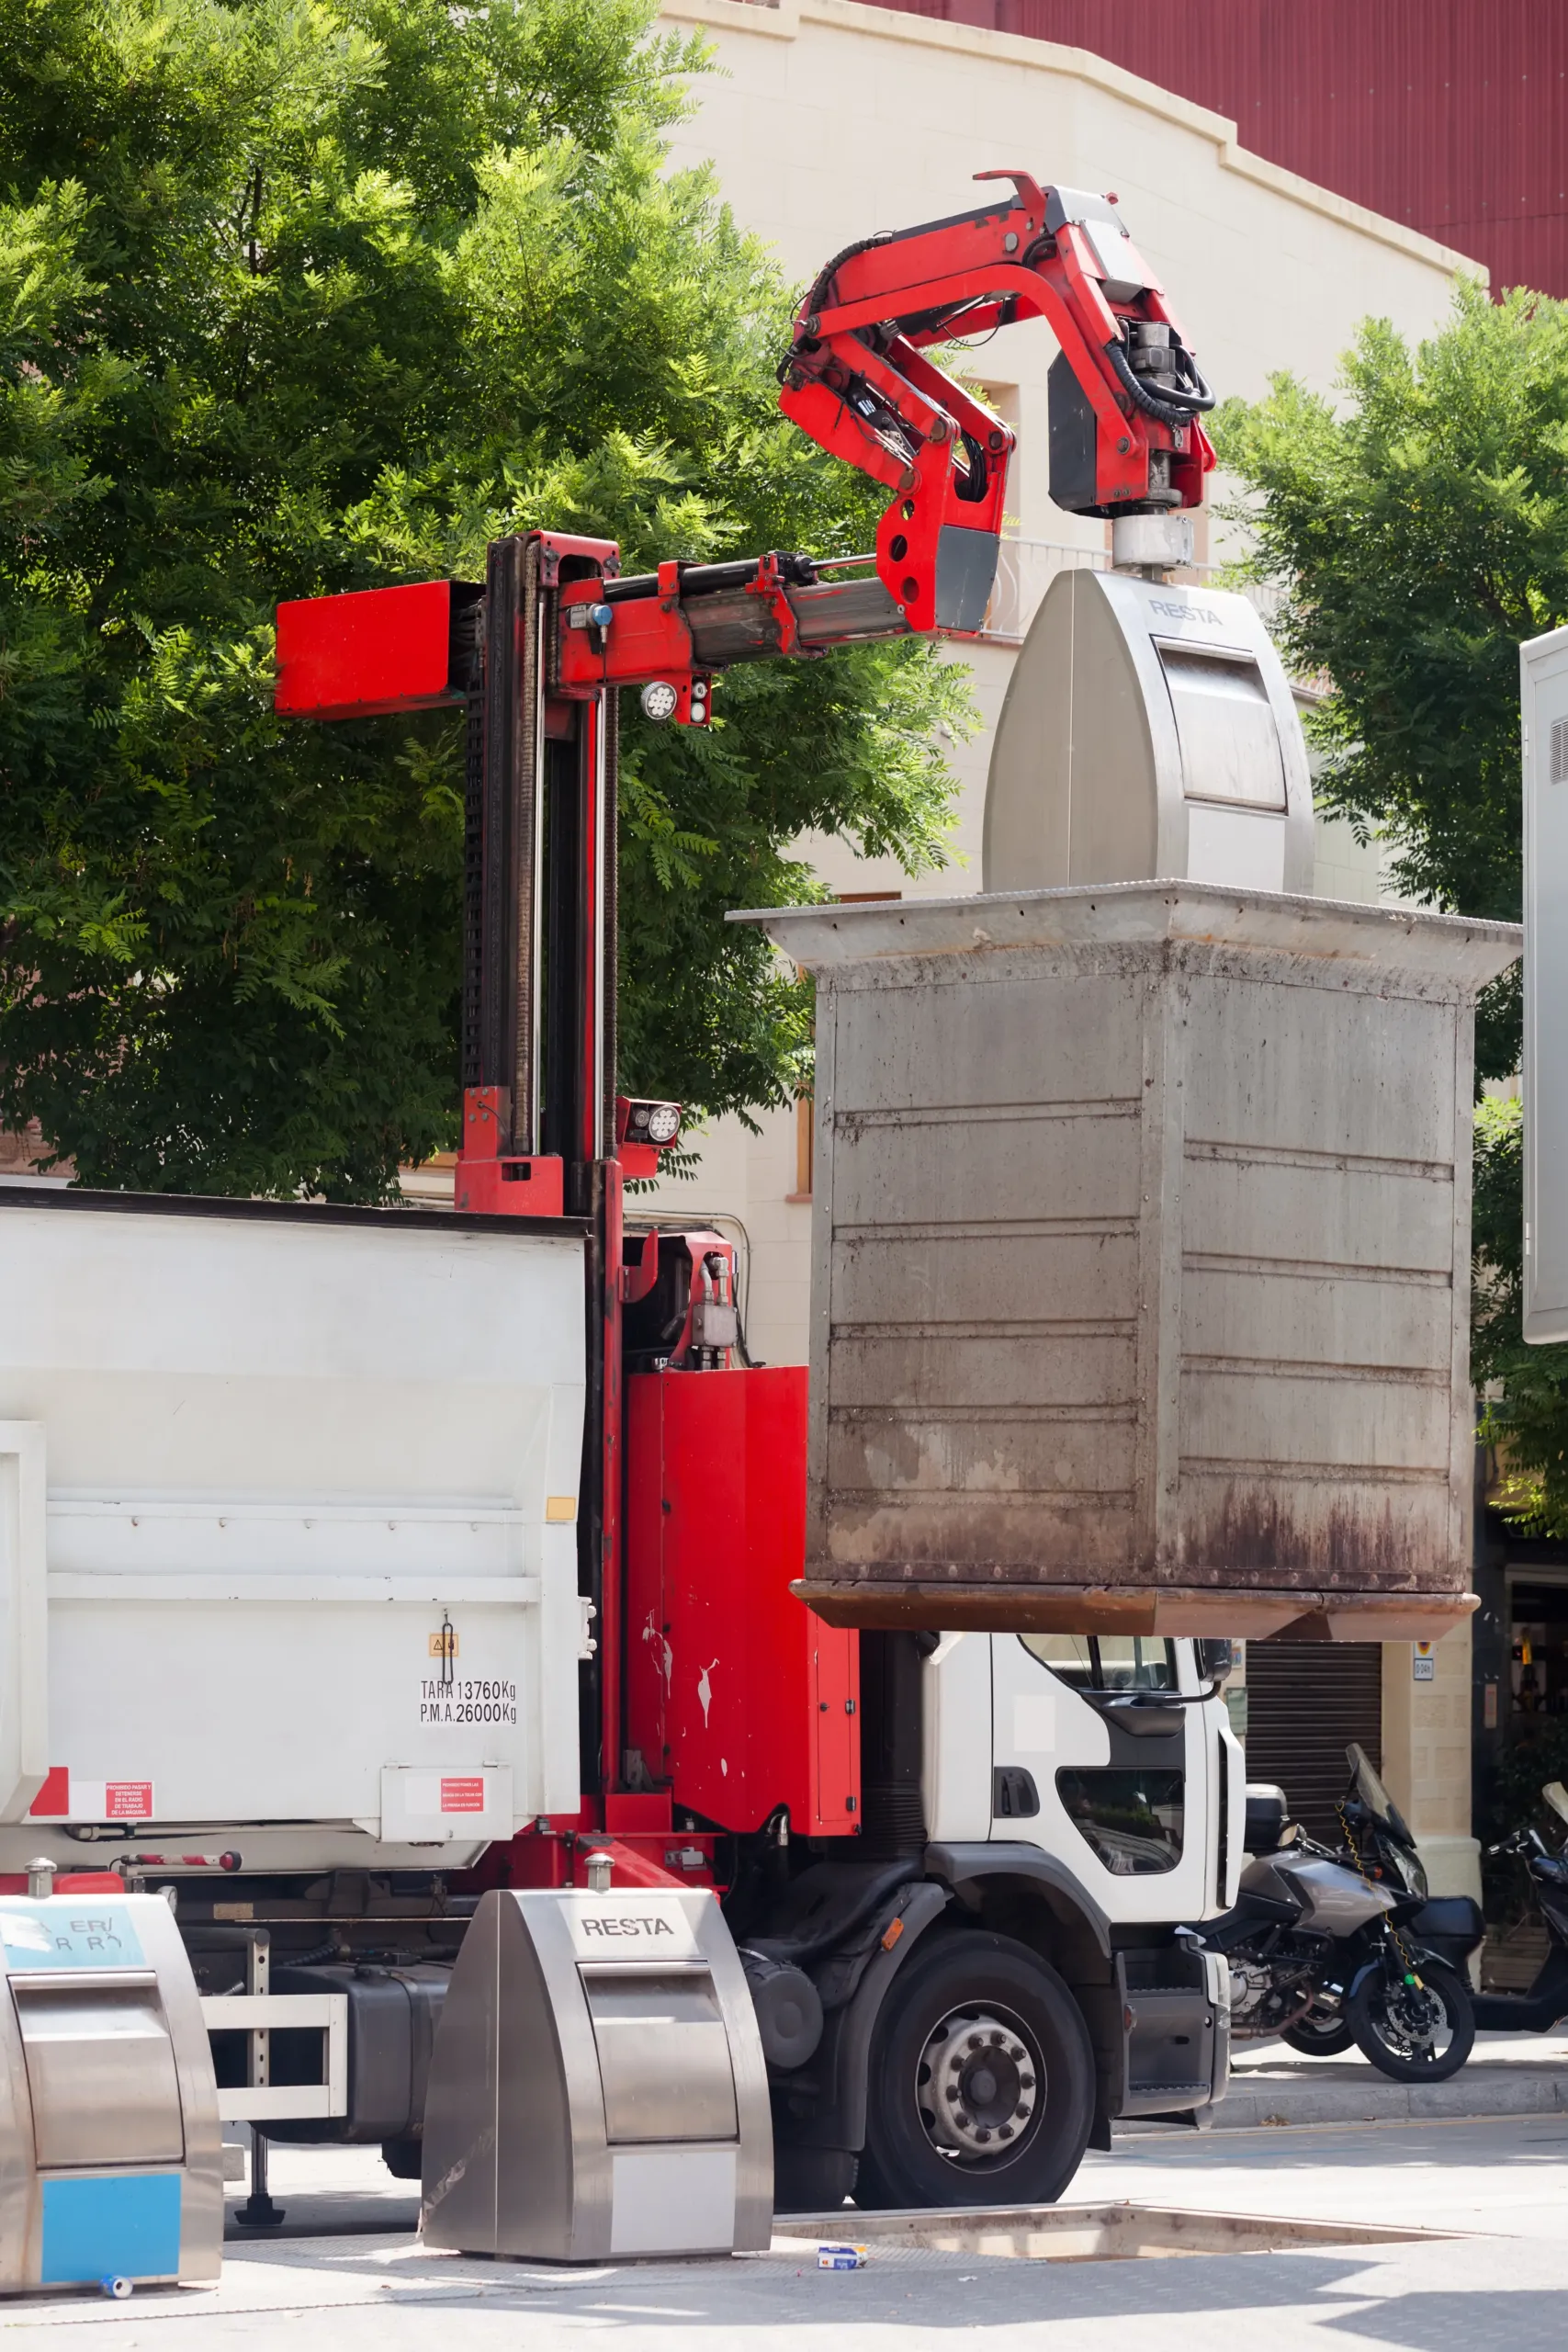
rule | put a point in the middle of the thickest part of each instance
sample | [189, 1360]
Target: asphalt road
[1503, 2282]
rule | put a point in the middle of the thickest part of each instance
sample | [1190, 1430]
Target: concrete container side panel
[1282, 1416]
[1165, 1075]
[969, 1170]
[1330, 1070]
[1246, 1526]
[931, 1370]
[1024, 1274]
[1242, 1314]
[1261, 1206]
[1076, 1453]
[966, 1539]
[1065, 1036]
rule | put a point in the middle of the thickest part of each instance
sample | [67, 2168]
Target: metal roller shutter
[1305, 1703]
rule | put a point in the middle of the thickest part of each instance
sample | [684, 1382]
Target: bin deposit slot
[101, 2073]
[663, 2053]
[1230, 740]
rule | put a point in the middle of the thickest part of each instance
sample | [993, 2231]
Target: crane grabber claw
[1126, 391]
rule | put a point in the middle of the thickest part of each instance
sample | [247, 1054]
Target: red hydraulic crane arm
[1126, 395]
[537, 652]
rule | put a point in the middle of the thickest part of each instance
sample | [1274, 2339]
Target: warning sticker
[463, 1796]
[128, 1800]
[468, 1700]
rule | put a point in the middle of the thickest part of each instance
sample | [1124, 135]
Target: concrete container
[1141, 1262]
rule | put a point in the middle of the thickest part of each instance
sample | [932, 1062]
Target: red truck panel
[736, 1693]
[379, 650]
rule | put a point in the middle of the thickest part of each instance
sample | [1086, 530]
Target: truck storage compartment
[1141, 1262]
[307, 1564]
[737, 1698]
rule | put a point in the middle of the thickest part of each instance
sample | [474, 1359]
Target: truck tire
[403, 2158]
[981, 2080]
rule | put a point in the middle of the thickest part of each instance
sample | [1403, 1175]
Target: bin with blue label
[110, 2160]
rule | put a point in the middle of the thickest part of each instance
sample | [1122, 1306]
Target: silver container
[110, 2163]
[1140, 1277]
[1148, 730]
[597, 2085]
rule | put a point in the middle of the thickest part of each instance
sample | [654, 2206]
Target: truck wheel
[404, 2159]
[981, 2086]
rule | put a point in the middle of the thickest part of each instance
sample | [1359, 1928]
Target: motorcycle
[1546, 2002]
[1325, 1953]
[1378, 1844]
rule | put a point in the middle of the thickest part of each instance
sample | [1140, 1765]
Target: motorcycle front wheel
[1415, 2026]
[1321, 2033]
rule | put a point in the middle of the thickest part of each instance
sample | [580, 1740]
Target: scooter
[1546, 2002]
[1324, 1953]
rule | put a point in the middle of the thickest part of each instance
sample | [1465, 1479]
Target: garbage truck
[356, 1561]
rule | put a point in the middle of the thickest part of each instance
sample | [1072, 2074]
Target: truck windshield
[1106, 1661]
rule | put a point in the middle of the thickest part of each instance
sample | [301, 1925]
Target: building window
[804, 1146]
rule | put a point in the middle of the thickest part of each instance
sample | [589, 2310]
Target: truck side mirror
[1215, 1659]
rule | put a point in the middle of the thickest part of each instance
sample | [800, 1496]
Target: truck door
[1089, 1764]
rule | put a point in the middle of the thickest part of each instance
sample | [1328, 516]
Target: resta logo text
[601, 1927]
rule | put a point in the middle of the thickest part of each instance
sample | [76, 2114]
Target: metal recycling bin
[1148, 729]
[597, 2085]
[111, 2162]
[1141, 1262]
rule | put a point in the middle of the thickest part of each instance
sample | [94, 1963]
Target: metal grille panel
[1305, 1703]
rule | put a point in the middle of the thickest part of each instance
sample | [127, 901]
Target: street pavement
[1509, 2074]
[1501, 2187]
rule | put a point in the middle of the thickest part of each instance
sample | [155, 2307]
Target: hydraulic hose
[1166, 408]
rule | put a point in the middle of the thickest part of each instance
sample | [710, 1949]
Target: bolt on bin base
[259, 2211]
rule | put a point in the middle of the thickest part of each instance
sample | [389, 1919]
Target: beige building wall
[1426, 1753]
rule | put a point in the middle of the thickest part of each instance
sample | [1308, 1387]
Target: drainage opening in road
[1118, 2233]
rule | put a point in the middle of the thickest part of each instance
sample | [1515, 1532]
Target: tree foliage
[1420, 524]
[1525, 1412]
[298, 297]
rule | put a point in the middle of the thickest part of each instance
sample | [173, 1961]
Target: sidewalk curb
[1480, 2096]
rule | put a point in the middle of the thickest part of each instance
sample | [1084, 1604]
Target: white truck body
[281, 1451]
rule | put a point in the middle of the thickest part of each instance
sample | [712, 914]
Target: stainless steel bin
[597, 2085]
[110, 2163]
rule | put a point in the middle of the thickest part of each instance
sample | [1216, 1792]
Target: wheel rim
[979, 2085]
[1413, 2022]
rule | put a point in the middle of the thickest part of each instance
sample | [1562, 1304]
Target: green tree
[1420, 526]
[301, 299]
